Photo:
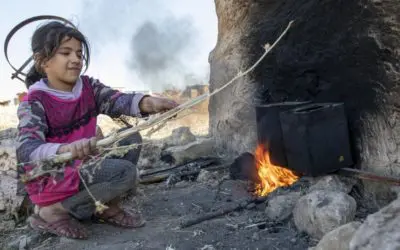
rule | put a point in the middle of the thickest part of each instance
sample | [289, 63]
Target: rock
[179, 137]
[281, 207]
[182, 154]
[339, 238]
[320, 211]
[333, 183]
[380, 230]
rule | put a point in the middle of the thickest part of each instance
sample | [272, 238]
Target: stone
[179, 137]
[182, 154]
[333, 183]
[339, 238]
[321, 211]
[320, 59]
[380, 230]
[280, 207]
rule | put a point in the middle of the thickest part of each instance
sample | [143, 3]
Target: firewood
[178, 174]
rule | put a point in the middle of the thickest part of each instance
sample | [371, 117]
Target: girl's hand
[151, 105]
[80, 149]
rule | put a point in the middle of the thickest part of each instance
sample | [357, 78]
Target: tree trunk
[337, 51]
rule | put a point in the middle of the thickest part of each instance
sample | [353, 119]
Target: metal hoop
[19, 26]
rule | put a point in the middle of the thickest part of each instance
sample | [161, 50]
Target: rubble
[280, 207]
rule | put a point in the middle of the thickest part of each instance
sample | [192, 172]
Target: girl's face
[64, 68]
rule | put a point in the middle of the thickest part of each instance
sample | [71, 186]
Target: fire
[271, 176]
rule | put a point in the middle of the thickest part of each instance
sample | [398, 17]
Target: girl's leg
[55, 219]
[109, 180]
[106, 182]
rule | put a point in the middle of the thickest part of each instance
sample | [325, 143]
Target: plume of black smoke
[160, 51]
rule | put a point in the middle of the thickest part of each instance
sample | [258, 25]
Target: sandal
[66, 226]
[120, 219]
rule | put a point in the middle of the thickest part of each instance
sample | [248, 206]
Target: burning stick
[62, 158]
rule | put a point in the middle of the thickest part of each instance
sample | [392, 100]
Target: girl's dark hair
[45, 42]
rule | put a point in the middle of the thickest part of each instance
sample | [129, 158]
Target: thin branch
[100, 207]
[57, 159]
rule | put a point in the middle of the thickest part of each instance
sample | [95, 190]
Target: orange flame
[271, 176]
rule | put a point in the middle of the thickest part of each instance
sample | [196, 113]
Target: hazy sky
[135, 44]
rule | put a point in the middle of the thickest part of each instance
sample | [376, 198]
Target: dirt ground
[165, 208]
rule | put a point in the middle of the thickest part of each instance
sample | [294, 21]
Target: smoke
[161, 52]
[149, 45]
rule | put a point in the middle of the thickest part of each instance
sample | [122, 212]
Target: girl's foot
[118, 217]
[57, 221]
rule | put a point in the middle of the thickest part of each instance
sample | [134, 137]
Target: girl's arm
[32, 128]
[114, 103]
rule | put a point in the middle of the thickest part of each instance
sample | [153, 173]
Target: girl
[59, 115]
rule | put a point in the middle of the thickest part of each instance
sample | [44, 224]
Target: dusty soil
[164, 208]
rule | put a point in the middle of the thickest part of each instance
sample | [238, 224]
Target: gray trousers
[107, 181]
